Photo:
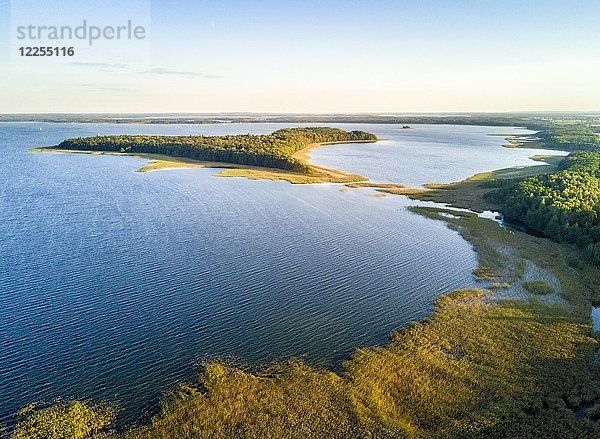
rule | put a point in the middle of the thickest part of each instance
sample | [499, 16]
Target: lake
[115, 284]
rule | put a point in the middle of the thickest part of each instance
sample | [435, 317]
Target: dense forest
[570, 137]
[274, 150]
[564, 206]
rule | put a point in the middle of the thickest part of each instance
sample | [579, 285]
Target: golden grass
[162, 165]
[484, 273]
[319, 175]
[520, 140]
[63, 420]
[375, 185]
[499, 286]
[470, 356]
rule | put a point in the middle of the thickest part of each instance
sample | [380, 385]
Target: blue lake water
[596, 318]
[114, 284]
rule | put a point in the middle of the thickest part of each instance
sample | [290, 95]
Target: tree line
[274, 150]
[570, 137]
[564, 205]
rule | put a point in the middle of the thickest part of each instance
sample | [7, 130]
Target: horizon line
[267, 113]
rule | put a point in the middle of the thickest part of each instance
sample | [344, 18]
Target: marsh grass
[385, 186]
[538, 287]
[465, 369]
[62, 420]
[318, 175]
[499, 286]
[505, 253]
[484, 273]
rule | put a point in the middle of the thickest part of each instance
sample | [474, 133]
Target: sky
[309, 56]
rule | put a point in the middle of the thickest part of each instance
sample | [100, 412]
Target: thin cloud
[116, 66]
[107, 87]
[153, 71]
[161, 71]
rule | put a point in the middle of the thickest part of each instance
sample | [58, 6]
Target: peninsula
[281, 155]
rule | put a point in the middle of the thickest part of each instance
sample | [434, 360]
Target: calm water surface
[428, 153]
[114, 284]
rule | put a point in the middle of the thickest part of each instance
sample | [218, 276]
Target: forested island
[274, 150]
[281, 155]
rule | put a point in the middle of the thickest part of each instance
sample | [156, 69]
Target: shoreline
[466, 329]
[468, 193]
[479, 348]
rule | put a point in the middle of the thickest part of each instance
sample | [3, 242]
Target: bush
[538, 287]
[63, 420]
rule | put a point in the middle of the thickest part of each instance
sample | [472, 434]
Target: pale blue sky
[311, 56]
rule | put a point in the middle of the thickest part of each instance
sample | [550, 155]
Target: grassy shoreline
[480, 366]
[468, 193]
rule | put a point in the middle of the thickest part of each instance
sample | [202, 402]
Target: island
[281, 155]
